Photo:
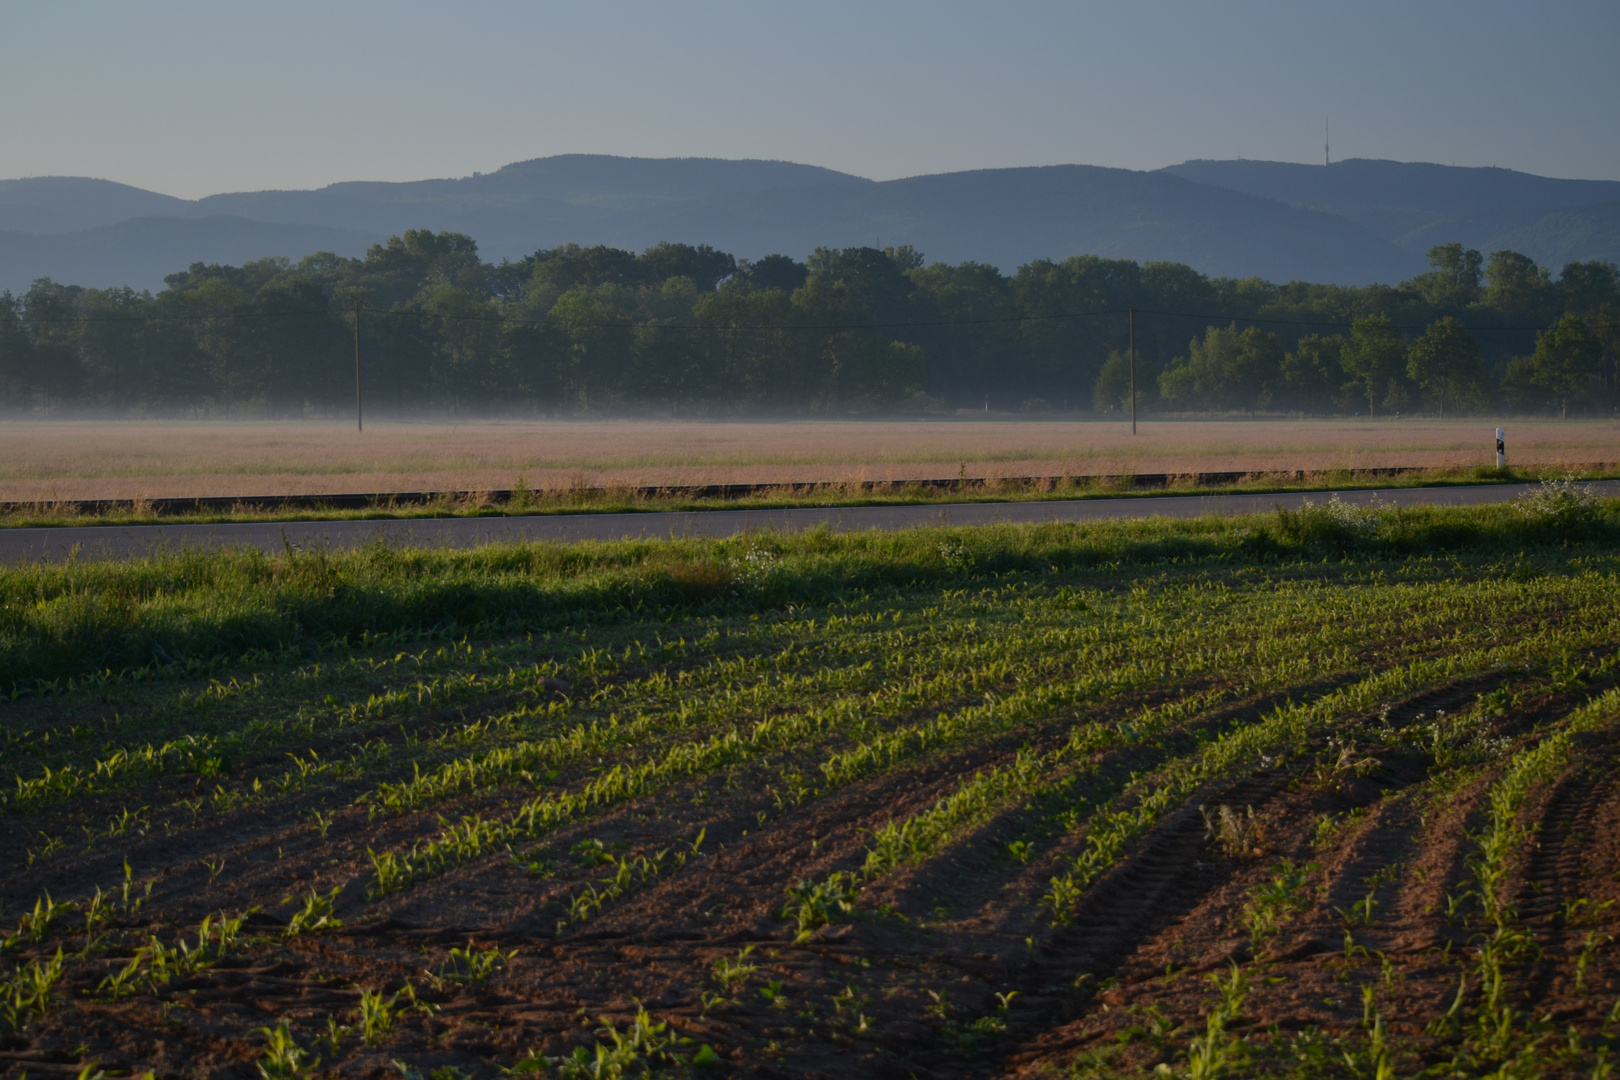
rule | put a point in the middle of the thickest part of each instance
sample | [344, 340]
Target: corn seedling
[1213, 1054]
[638, 1049]
[130, 901]
[733, 974]
[1361, 913]
[335, 1034]
[124, 981]
[854, 1004]
[813, 906]
[316, 915]
[36, 924]
[28, 991]
[393, 873]
[283, 1058]
[468, 966]
[376, 1015]
[1272, 903]
[1594, 942]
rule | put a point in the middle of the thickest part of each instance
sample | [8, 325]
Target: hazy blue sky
[191, 98]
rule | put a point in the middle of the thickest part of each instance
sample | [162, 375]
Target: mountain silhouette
[1354, 222]
[1415, 205]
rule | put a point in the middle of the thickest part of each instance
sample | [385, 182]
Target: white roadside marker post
[1501, 450]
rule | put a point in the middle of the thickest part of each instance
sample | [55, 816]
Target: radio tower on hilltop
[1326, 159]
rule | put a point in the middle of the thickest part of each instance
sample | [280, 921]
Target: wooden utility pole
[1133, 371]
[359, 423]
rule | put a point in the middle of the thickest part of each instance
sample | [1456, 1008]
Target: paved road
[112, 542]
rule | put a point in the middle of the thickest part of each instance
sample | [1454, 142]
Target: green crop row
[987, 793]
[1505, 837]
[1285, 734]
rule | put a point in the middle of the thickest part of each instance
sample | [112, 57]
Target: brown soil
[893, 990]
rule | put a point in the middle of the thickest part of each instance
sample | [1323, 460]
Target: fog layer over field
[123, 460]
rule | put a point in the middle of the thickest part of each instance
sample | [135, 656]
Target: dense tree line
[689, 330]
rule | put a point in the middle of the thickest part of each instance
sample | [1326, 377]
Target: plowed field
[1328, 794]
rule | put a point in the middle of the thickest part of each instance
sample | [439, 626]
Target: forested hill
[72, 229]
[1415, 205]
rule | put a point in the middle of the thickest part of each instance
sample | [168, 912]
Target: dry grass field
[86, 459]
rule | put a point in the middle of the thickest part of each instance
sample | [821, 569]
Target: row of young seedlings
[197, 750]
[1279, 737]
[29, 991]
[1110, 831]
[199, 753]
[210, 755]
[474, 836]
[631, 874]
[500, 763]
[1286, 733]
[841, 769]
[182, 708]
[508, 762]
[1493, 1033]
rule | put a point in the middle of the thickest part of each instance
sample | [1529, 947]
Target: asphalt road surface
[122, 541]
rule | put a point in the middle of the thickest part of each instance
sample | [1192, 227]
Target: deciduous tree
[1445, 362]
[1566, 360]
[1375, 359]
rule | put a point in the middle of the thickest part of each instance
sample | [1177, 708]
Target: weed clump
[1335, 524]
[1238, 835]
[1562, 504]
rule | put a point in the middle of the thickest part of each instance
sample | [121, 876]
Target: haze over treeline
[692, 331]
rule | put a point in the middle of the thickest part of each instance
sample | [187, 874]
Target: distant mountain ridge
[1008, 217]
[1415, 205]
[1352, 223]
[46, 205]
